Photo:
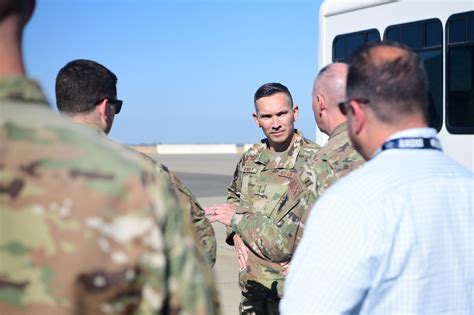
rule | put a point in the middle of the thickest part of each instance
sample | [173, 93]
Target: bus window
[373, 36]
[393, 34]
[340, 49]
[433, 34]
[345, 44]
[457, 31]
[354, 42]
[470, 29]
[425, 38]
[460, 73]
[412, 36]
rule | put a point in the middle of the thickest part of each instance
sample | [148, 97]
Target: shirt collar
[288, 157]
[19, 89]
[338, 130]
[94, 128]
[413, 133]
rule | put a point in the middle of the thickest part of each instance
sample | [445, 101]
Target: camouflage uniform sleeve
[203, 230]
[190, 282]
[329, 169]
[325, 176]
[274, 237]
[234, 197]
[234, 190]
[266, 237]
[201, 225]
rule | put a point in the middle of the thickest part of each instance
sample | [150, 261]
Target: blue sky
[187, 69]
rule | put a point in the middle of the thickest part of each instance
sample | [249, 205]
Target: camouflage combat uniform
[335, 160]
[203, 230]
[86, 226]
[266, 191]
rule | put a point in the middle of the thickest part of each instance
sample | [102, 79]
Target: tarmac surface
[208, 176]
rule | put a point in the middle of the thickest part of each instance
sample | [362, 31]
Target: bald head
[331, 81]
[328, 90]
[392, 78]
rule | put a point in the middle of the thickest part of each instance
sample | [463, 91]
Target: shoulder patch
[295, 187]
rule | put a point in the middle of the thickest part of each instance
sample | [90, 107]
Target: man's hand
[286, 266]
[242, 252]
[222, 213]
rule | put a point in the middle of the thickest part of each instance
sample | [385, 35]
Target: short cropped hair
[391, 77]
[331, 81]
[81, 84]
[269, 89]
[10, 7]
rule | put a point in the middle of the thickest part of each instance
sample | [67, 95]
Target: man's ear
[295, 112]
[358, 116]
[255, 116]
[103, 108]
[321, 104]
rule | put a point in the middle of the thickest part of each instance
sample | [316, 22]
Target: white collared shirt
[393, 237]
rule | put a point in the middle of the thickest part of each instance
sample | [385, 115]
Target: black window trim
[345, 35]
[454, 130]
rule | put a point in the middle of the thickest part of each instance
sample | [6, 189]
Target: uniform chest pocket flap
[247, 172]
[290, 201]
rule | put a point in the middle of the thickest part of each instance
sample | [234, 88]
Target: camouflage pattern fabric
[87, 227]
[335, 160]
[266, 191]
[203, 230]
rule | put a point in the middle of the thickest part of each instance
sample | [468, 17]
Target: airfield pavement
[208, 176]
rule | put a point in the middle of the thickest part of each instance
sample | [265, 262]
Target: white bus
[440, 31]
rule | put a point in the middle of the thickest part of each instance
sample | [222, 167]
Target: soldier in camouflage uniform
[337, 157]
[264, 206]
[86, 226]
[86, 91]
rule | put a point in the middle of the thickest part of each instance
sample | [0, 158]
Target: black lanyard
[412, 143]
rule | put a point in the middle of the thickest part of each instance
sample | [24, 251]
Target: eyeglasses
[343, 105]
[117, 104]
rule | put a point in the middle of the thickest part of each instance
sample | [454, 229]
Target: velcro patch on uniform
[286, 173]
[295, 187]
[249, 169]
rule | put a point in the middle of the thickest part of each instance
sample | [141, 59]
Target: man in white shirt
[397, 235]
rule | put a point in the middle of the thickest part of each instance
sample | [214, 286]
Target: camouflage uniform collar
[338, 130]
[20, 89]
[94, 128]
[288, 157]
